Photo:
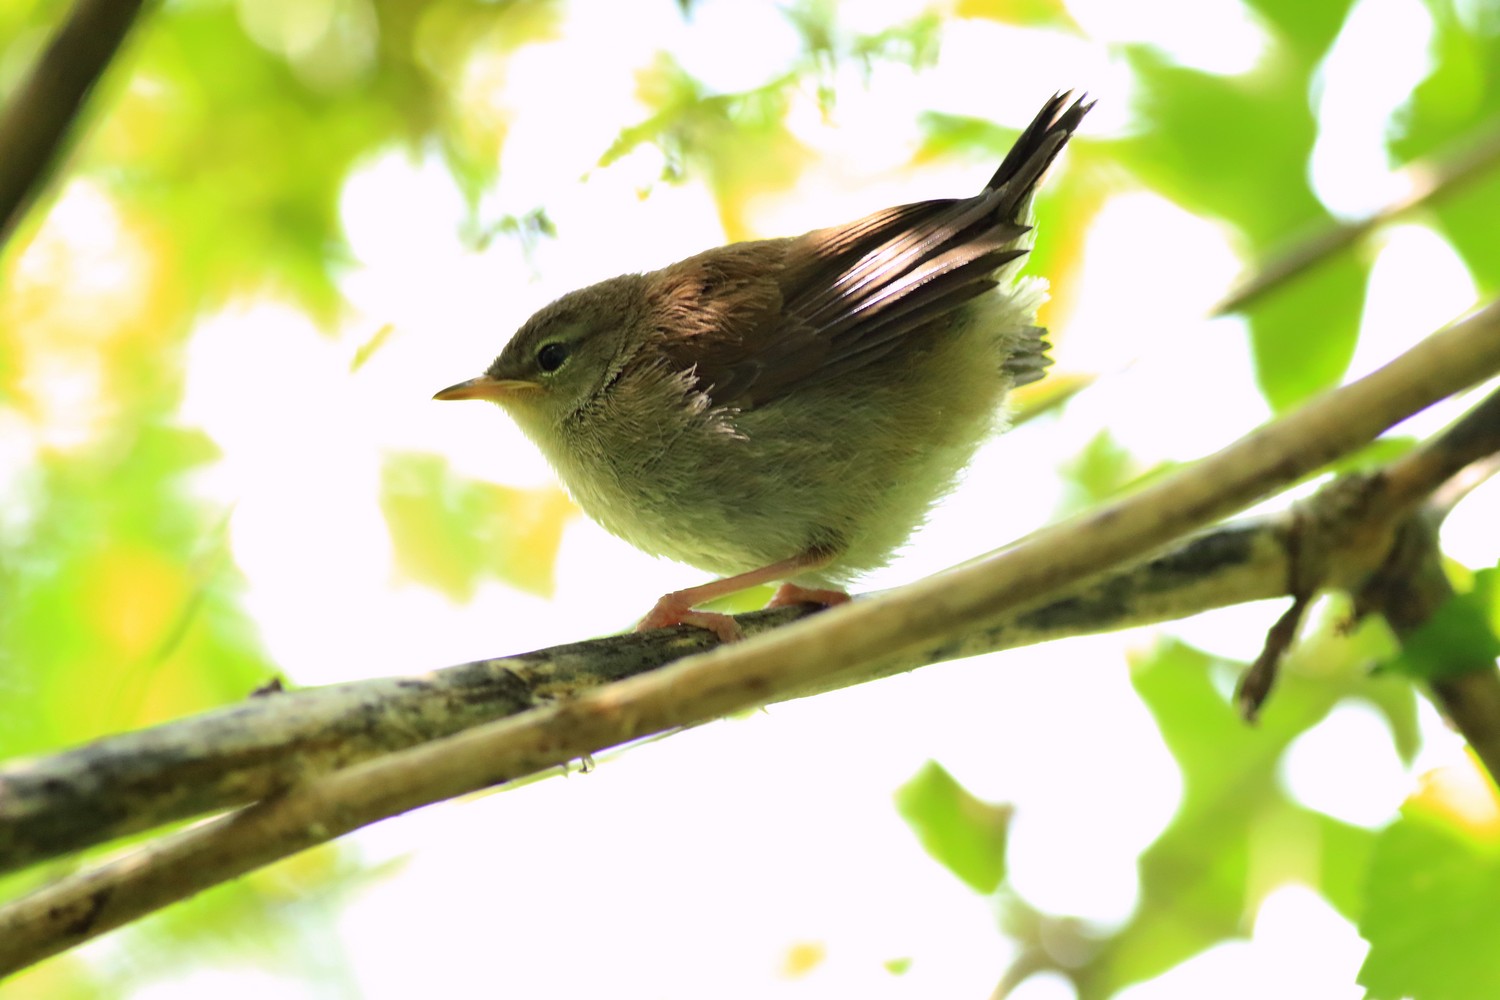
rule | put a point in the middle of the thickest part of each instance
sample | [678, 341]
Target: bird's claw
[669, 612]
[790, 593]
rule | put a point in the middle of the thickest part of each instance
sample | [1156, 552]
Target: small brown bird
[789, 409]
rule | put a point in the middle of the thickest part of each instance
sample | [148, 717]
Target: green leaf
[1099, 470]
[120, 585]
[1198, 884]
[1381, 451]
[1022, 13]
[965, 834]
[450, 532]
[1303, 337]
[913, 43]
[1460, 636]
[1103, 469]
[1344, 857]
[1307, 29]
[1459, 99]
[1238, 148]
[1432, 913]
[375, 342]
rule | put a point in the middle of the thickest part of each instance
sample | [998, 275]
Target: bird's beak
[498, 390]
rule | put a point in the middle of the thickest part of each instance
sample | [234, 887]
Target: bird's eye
[551, 356]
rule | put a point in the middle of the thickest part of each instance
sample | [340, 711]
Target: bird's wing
[758, 320]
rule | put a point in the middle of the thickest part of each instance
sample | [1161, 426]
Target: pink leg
[676, 608]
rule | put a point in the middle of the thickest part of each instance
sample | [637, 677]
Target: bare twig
[33, 129]
[1427, 179]
[842, 643]
[1255, 684]
[1473, 438]
[1451, 493]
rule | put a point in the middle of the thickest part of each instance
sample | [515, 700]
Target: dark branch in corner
[35, 127]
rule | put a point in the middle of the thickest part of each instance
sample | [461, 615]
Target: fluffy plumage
[796, 403]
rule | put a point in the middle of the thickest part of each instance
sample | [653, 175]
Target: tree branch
[1407, 591]
[236, 755]
[844, 644]
[34, 127]
[1427, 179]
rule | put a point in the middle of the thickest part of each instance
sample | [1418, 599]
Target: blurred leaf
[1066, 205]
[1023, 13]
[897, 966]
[450, 532]
[1363, 652]
[1232, 147]
[964, 834]
[1344, 857]
[1031, 401]
[1096, 473]
[1459, 98]
[945, 134]
[65, 977]
[803, 958]
[913, 43]
[281, 919]
[1196, 878]
[367, 350]
[1381, 451]
[1238, 148]
[741, 601]
[1460, 636]
[1303, 337]
[1305, 30]
[529, 229]
[1432, 913]
[1104, 469]
[133, 600]
[738, 141]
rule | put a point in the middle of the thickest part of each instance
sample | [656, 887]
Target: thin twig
[1451, 493]
[36, 125]
[842, 642]
[1427, 179]
[1474, 437]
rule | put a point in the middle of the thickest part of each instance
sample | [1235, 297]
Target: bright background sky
[703, 864]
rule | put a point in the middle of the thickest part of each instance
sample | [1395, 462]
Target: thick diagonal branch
[232, 756]
[34, 128]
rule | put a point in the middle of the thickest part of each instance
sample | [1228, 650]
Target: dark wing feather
[757, 320]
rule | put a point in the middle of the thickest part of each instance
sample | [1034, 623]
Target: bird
[789, 410]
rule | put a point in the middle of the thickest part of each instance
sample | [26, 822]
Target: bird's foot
[790, 593]
[671, 611]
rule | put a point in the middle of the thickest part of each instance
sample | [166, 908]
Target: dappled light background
[290, 222]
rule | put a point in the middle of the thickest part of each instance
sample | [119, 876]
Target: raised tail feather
[1035, 149]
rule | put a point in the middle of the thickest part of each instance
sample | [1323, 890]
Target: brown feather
[757, 320]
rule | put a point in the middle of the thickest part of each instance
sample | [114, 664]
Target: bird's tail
[1034, 150]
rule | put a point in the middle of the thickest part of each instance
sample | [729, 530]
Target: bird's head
[564, 354]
